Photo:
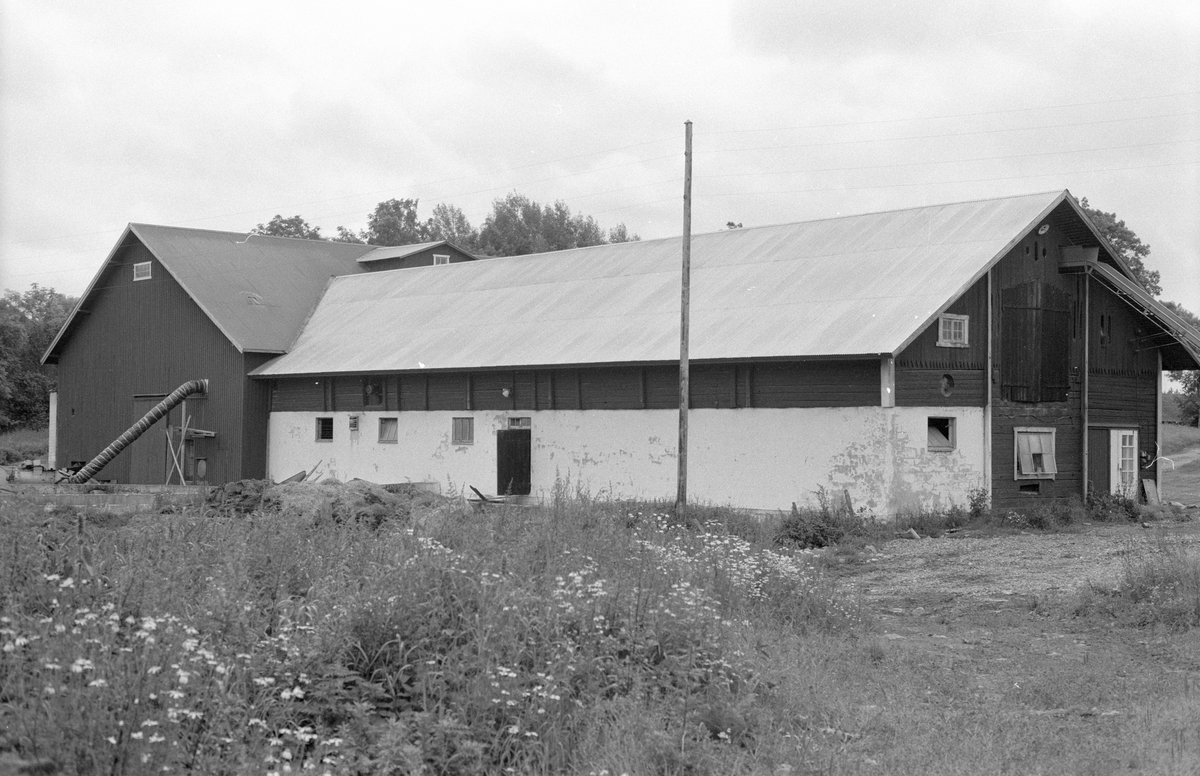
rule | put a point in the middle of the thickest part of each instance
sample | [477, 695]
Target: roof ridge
[247, 234]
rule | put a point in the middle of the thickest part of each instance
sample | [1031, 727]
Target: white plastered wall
[752, 458]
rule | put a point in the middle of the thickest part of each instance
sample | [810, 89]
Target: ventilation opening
[1031, 487]
[941, 434]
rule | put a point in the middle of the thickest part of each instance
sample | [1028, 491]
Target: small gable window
[141, 271]
[953, 331]
[1034, 459]
[439, 258]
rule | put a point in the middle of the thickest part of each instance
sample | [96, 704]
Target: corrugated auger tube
[137, 429]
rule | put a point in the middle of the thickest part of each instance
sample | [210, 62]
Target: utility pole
[684, 298]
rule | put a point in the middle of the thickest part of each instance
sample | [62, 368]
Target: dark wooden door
[513, 461]
[1098, 463]
[148, 453]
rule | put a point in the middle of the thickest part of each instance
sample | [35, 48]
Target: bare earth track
[987, 627]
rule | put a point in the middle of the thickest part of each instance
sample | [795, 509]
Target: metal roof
[400, 251]
[852, 286]
[258, 290]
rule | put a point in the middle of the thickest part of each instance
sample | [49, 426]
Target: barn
[907, 358]
[169, 305]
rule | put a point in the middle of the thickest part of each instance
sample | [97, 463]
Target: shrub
[1158, 588]
[978, 503]
[1111, 507]
[831, 522]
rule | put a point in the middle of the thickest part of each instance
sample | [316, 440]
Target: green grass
[1176, 438]
[459, 642]
[581, 638]
[23, 444]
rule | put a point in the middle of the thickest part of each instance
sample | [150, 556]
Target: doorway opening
[514, 461]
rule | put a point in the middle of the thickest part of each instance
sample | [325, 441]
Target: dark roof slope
[257, 290]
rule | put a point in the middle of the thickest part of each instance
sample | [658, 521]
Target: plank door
[1099, 481]
[513, 461]
[148, 453]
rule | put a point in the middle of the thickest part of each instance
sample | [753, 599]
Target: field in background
[23, 444]
[344, 629]
[1181, 472]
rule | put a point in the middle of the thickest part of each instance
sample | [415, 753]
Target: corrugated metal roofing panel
[258, 290]
[856, 285]
[1187, 337]
[396, 251]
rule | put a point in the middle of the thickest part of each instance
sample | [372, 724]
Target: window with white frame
[1034, 454]
[439, 258]
[953, 331]
[141, 271]
[1123, 461]
[389, 430]
[463, 431]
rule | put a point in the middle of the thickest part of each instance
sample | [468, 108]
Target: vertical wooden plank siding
[136, 336]
[929, 375]
[713, 386]
[1026, 390]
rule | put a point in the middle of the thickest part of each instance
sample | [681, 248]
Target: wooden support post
[1085, 388]
[684, 303]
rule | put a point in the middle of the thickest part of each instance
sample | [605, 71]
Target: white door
[1123, 461]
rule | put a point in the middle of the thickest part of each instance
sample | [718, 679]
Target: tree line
[516, 226]
[28, 323]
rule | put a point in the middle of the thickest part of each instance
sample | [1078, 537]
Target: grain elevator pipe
[137, 429]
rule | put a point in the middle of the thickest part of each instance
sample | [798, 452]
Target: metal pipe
[137, 429]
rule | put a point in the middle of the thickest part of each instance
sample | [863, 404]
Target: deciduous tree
[28, 323]
[1189, 380]
[288, 227]
[395, 222]
[451, 224]
[1126, 243]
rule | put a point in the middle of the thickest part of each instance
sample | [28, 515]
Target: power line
[952, 134]
[952, 182]
[902, 185]
[953, 115]
[389, 189]
[952, 161]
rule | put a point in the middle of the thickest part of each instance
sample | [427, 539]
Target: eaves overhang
[1140, 300]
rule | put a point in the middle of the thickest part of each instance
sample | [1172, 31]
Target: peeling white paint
[753, 458]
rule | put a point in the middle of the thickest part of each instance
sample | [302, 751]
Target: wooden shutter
[1020, 342]
[1055, 344]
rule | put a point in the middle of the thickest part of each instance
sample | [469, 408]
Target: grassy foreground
[583, 638]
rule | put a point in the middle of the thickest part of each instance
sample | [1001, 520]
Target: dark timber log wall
[1124, 384]
[922, 368]
[1027, 390]
[712, 386]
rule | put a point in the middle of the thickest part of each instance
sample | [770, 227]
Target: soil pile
[357, 500]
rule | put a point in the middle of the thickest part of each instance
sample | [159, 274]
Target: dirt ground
[990, 623]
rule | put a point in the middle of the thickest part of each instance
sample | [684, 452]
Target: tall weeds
[457, 642]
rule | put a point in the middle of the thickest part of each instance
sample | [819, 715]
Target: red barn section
[171, 305]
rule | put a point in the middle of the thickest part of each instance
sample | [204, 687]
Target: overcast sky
[220, 115]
